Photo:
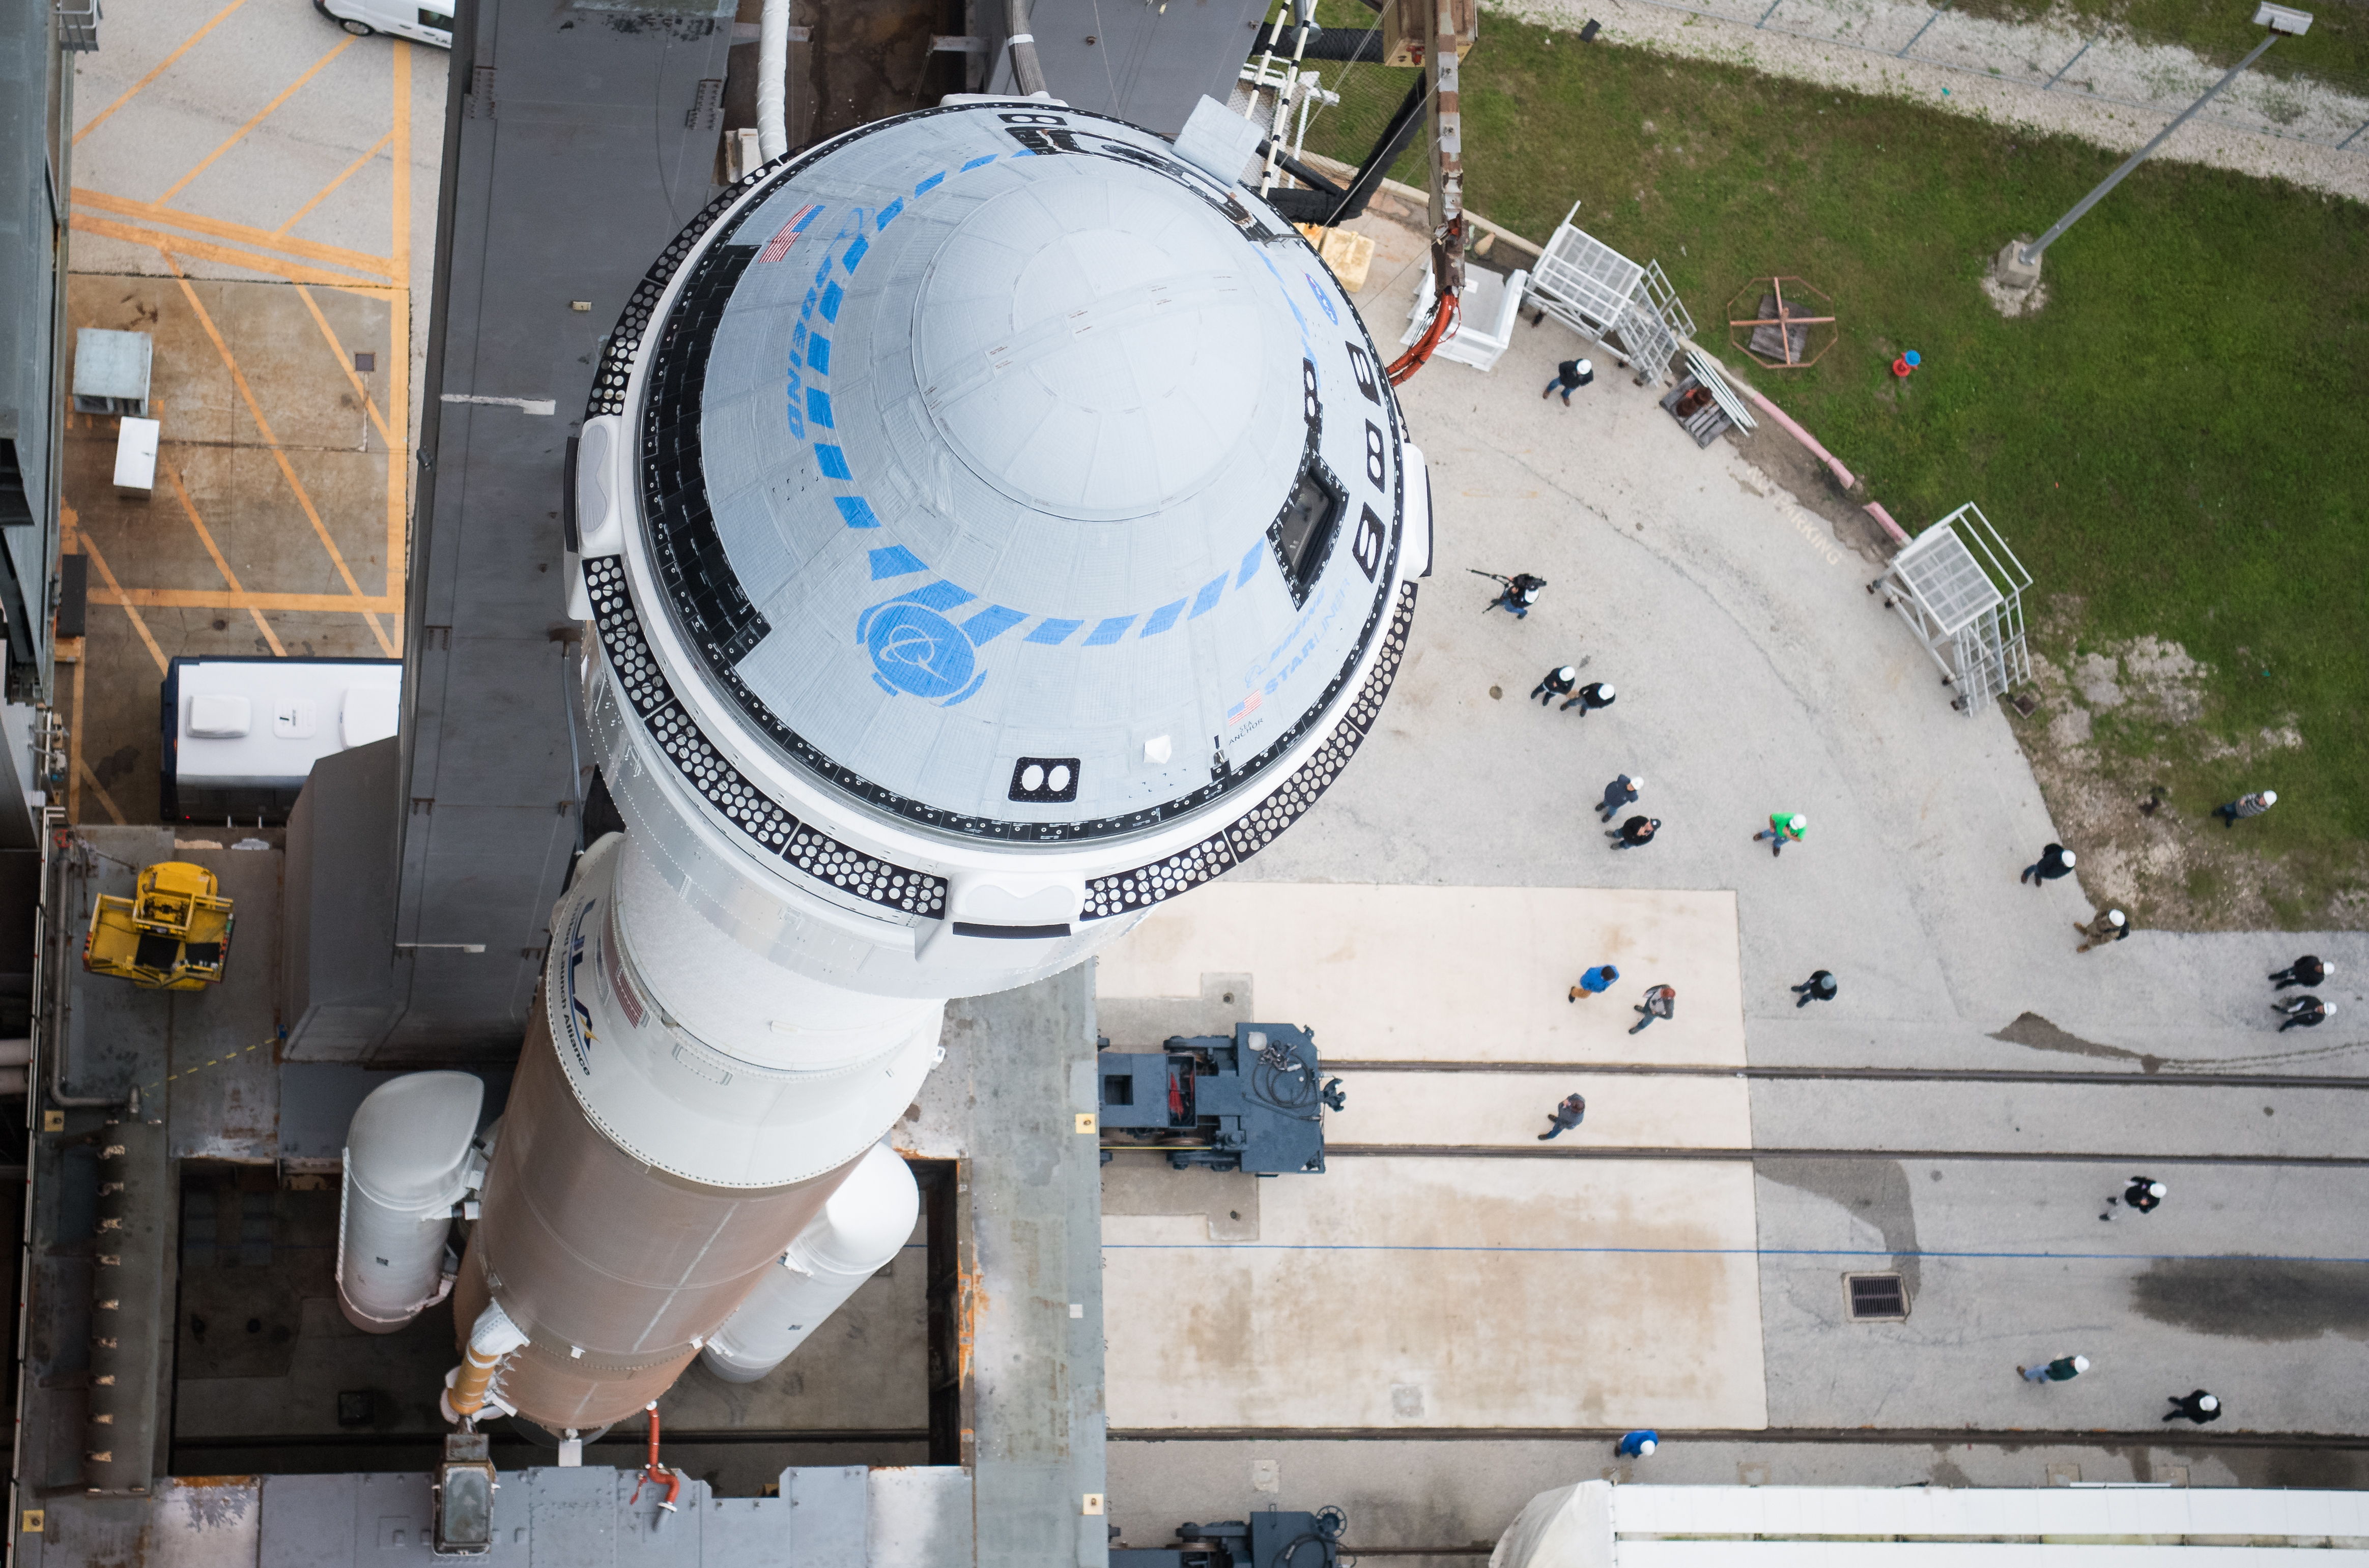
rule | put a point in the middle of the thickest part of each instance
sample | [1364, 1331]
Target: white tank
[861, 1230]
[407, 1165]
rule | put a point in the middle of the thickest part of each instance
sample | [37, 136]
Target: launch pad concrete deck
[1447, 973]
[1442, 1289]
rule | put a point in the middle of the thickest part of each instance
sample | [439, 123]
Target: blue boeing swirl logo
[917, 651]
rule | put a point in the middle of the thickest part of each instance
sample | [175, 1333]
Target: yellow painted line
[240, 234]
[399, 468]
[238, 377]
[207, 539]
[215, 598]
[260, 116]
[324, 192]
[134, 91]
[90, 548]
[96, 788]
[346, 363]
[190, 1071]
[170, 244]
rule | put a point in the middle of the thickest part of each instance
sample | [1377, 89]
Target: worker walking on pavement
[2304, 1013]
[1520, 593]
[1595, 694]
[2055, 862]
[1596, 981]
[2064, 1369]
[1637, 1445]
[2111, 927]
[1566, 1116]
[1571, 375]
[1623, 791]
[1819, 987]
[2199, 1407]
[1784, 827]
[2144, 1195]
[1661, 1002]
[2305, 971]
[1555, 683]
[1634, 831]
[2253, 805]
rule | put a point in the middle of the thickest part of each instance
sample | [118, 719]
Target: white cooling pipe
[772, 73]
[858, 1232]
[408, 1163]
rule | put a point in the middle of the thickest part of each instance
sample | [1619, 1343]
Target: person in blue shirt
[1637, 1445]
[1566, 1116]
[1596, 981]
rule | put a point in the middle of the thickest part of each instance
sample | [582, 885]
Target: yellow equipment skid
[172, 935]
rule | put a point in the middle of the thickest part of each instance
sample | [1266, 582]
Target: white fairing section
[712, 1064]
[406, 1165]
[868, 1219]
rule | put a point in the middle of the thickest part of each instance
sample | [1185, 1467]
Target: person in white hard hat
[1784, 827]
[2304, 1013]
[1637, 1445]
[2199, 1407]
[2144, 1195]
[1587, 698]
[2305, 971]
[1555, 683]
[2111, 927]
[1571, 375]
[2064, 1369]
[2055, 862]
[2253, 805]
[1622, 791]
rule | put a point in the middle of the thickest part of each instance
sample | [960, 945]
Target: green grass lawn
[2178, 441]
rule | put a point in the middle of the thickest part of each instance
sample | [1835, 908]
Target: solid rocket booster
[991, 525]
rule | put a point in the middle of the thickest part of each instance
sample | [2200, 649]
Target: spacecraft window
[1303, 529]
[1045, 779]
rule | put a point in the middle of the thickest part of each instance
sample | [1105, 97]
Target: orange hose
[656, 1474]
[1443, 322]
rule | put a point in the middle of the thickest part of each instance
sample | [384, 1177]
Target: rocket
[989, 524]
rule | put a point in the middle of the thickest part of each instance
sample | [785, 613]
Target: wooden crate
[1408, 25]
[1348, 252]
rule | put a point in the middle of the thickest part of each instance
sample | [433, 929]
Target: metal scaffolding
[1961, 590]
[1597, 293]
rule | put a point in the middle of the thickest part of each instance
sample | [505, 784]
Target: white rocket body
[861, 1230]
[990, 526]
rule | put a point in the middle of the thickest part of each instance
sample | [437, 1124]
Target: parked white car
[426, 21]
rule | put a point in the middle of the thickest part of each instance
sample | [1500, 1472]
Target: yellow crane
[172, 935]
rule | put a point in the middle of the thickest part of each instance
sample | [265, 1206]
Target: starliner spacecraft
[989, 524]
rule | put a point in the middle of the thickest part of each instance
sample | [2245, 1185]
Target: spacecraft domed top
[1014, 477]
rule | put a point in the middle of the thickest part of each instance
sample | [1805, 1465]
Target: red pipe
[656, 1474]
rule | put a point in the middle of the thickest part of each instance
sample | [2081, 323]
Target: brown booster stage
[618, 1273]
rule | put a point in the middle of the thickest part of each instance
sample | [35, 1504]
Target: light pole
[2018, 265]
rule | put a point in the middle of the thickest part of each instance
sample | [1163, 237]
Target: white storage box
[241, 734]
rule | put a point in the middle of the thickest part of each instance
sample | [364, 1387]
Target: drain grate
[1876, 1298]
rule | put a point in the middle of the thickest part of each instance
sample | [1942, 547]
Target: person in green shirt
[1784, 827]
[2064, 1369]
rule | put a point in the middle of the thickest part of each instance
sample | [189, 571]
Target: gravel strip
[2117, 67]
